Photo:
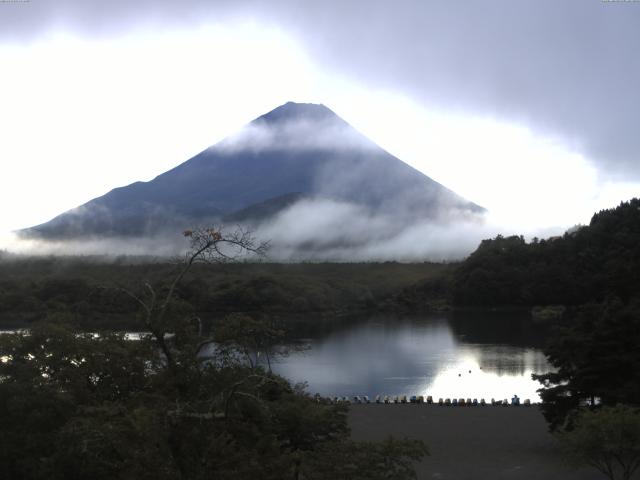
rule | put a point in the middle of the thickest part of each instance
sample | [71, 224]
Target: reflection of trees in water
[316, 326]
[393, 355]
[319, 326]
[505, 343]
[474, 327]
[510, 328]
[508, 360]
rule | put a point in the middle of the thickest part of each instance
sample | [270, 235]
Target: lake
[476, 355]
[453, 355]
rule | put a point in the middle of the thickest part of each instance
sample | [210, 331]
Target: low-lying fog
[311, 230]
[335, 222]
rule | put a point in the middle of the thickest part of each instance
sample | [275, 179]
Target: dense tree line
[83, 290]
[585, 265]
[596, 360]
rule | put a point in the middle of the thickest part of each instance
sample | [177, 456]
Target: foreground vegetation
[77, 405]
[607, 439]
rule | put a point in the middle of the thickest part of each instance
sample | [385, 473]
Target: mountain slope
[302, 149]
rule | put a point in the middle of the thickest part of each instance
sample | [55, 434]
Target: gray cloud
[331, 230]
[309, 230]
[298, 135]
[567, 68]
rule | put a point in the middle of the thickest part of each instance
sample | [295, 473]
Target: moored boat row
[417, 399]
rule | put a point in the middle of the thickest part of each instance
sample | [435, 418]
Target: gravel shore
[471, 443]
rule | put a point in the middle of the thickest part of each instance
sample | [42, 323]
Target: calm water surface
[461, 355]
[457, 355]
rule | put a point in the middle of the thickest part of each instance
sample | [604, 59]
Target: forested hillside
[585, 265]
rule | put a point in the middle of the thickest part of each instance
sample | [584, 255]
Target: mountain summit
[291, 111]
[297, 152]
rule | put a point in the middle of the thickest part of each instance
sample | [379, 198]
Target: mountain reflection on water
[454, 355]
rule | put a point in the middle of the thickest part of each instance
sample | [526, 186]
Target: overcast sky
[529, 108]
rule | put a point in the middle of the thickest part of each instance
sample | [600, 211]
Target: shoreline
[471, 443]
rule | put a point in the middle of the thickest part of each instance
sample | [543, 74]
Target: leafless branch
[206, 245]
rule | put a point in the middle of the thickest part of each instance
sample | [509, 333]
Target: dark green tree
[597, 360]
[607, 439]
[585, 265]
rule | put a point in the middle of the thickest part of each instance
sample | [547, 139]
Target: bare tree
[206, 245]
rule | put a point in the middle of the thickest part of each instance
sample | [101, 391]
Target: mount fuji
[296, 153]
